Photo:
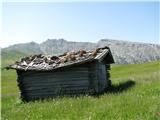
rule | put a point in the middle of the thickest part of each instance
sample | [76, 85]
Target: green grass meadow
[135, 95]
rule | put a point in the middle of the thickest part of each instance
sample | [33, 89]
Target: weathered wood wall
[99, 73]
[39, 85]
[89, 78]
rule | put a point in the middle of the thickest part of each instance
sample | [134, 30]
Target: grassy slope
[11, 56]
[139, 102]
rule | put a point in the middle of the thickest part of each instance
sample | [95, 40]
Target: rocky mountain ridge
[124, 52]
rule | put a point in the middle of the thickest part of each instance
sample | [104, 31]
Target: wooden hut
[81, 72]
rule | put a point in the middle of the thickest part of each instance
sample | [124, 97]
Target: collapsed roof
[46, 62]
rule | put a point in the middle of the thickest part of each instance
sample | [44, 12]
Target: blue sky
[79, 21]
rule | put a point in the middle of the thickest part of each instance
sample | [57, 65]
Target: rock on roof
[46, 62]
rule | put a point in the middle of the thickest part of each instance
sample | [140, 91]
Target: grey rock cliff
[124, 52]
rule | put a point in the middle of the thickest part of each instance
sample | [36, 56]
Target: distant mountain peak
[32, 43]
[56, 40]
[124, 52]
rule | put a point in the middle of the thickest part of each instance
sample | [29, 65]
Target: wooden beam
[102, 55]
